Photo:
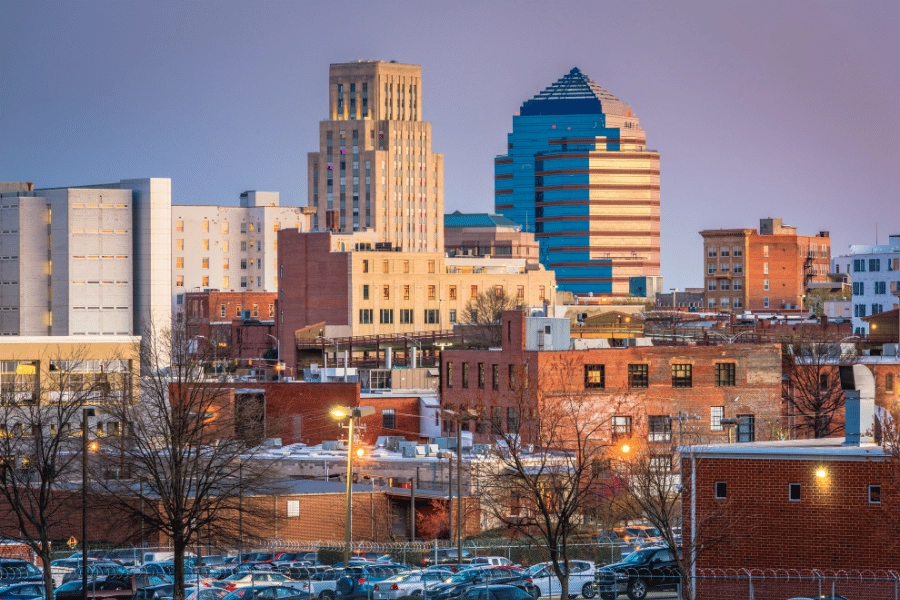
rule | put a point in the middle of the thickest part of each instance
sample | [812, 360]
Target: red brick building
[710, 382]
[231, 325]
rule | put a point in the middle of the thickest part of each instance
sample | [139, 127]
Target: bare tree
[811, 386]
[552, 458]
[189, 451]
[41, 405]
[483, 313]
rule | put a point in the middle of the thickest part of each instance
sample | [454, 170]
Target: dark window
[746, 429]
[512, 419]
[621, 426]
[432, 316]
[823, 381]
[794, 492]
[406, 316]
[481, 375]
[449, 374]
[682, 376]
[511, 376]
[659, 428]
[721, 489]
[874, 494]
[495, 377]
[388, 418]
[465, 375]
[725, 374]
[638, 376]
[386, 316]
[496, 420]
[594, 376]
[365, 316]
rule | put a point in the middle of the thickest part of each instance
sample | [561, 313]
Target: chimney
[859, 403]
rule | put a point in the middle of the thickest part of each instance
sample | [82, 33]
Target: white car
[257, 578]
[496, 561]
[547, 583]
[409, 584]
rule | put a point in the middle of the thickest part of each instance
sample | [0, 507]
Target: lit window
[594, 376]
[682, 376]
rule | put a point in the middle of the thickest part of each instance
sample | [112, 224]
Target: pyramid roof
[575, 93]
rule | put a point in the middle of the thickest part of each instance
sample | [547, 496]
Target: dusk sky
[759, 109]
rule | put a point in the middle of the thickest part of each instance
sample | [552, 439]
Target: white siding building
[230, 248]
[88, 260]
[875, 271]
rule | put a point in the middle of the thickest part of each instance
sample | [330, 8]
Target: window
[406, 266]
[432, 316]
[204, 244]
[365, 292]
[385, 266]
[498, 291]
[406, 292]
[226, 283]
[711, 252]
[271, 311]
[874, 494]
[638, 376]
[365, 316]
[449, 380]
[766, 252]
[541, 293]
[179, 225]
[766, 302]
[453, 315]
[737, 251]
[512, 419]
[481, 375]
[293, 508]
[225, 263]
[874, 264]
[224, 226]
[465, 375]
[716, 414]
[621, 426]
[725, 285]
[204, 226]
[406, 316]
[204, 281]
[237, 311]
[738, 268]
[889, 383]
[495, 377]
[179, 281]
[388, 418]
[365, 266]
[794, 492]
[179, 244]
[881, 287]
[179, 262]
[661, 463]
[682, 376]
[496, 420]
[473, 291]
[243, 228]
[746, 429]
[520, 292]
[453, 292]
[204, 262]
[386, 316]
[765, 268]
[721, 490]
[431, 266]
[222, 310]
[766, 284]
[243, 263]
[594, 376]
[711, 268]
[659, 428]
[432, 292]
[386, 292]
[725, 374]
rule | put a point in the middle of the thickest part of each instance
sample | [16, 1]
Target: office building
[375, 168]
[875, 272]
[87, 260]
[579, 175]
[760, 270]
[230, 248]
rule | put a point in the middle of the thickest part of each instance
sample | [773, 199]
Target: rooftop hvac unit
[481, 449]
[432, 449]
[409, 451]
[334, 445]
[421, 451]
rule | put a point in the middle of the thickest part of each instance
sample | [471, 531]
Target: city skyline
[756, 109]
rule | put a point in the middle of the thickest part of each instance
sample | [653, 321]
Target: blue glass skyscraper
[577, 173]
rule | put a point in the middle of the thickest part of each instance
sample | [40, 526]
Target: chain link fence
[781, 584]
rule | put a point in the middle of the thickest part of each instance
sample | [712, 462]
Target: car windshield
[639, 556]
[650, 531]
[399, 578]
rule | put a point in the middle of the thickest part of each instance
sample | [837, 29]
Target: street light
[459, 418]
[85, 413]
[351, 414]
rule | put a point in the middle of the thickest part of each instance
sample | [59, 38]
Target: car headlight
[621, 575]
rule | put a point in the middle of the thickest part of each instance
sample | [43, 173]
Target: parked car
[22, 591]
[107, 587]
[410, 583]
[446, 555]
[581, 579]
[204, 593]
[13, 570]
[268, 592]
[643, 535]
[497, 561]
[95, 569]
[496, 592]
[257, 578]
[641, 572]
[822, 597]
[456, 585]
[359, 582]
[155, 592]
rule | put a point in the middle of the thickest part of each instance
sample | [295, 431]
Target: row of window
[881, 287]
[724, 251]
[874, 264]
[595, 375]
[727, 284]
[254, 310]
[245, 227]
[859, 310]
[795, 492]
[245, 245]
[386, 316]
[736, 302]
[431, 291]
[226, 263]
[226, 283]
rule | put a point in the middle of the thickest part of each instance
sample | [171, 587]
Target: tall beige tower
[375, 168]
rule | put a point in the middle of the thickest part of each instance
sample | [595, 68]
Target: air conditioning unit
[334, 445]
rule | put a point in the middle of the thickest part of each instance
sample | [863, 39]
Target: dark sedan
[22, 591]
[268, 592]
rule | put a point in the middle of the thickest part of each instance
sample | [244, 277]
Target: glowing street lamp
[351, 414]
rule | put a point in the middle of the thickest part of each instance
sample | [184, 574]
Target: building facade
[875, 271]
[647, 386]
[90, 260]
[761, 270]
[231, 325]
[483, 234]
[579, 175]
[230, 248]
[375, 168]
[355, 290]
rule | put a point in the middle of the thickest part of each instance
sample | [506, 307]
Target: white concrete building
[230, 248]
[875, 271]
[88, 260]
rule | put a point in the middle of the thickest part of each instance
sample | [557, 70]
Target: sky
[759, 109]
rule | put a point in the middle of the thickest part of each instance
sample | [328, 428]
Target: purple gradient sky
[759, 109]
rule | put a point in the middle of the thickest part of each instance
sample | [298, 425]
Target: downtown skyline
[758, 110]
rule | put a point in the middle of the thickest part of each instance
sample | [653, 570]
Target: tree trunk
[179, 545]
[46, 569]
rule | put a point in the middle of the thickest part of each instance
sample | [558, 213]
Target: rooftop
[459, 220]
[822, 449]
[575, 94]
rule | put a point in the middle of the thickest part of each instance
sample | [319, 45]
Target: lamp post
[417, 343]
[459, 418]
[351, 414]
[85, 413]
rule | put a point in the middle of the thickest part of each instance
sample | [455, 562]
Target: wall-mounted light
[821, 473]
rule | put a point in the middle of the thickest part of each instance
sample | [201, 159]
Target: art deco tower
[375, 168]
[579, 175]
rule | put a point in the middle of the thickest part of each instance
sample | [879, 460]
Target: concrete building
[647, 385]
[375, 168]
[483, 234]
[766, 269]
[357, 290]
[230, 248]
[579, 175]
[875, 271]
[87, 260]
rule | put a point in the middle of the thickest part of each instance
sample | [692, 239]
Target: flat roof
[823, 449]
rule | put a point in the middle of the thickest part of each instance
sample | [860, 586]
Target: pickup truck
[108, 587]
[643, 571]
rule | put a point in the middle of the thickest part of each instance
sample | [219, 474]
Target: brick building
[765, 269]
[711, 382]
[231, 325]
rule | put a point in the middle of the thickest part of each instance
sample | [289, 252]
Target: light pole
[337, 349]
[416, 342]
[85, 413]
[459, 418]
[351, 414]
[277, 346]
